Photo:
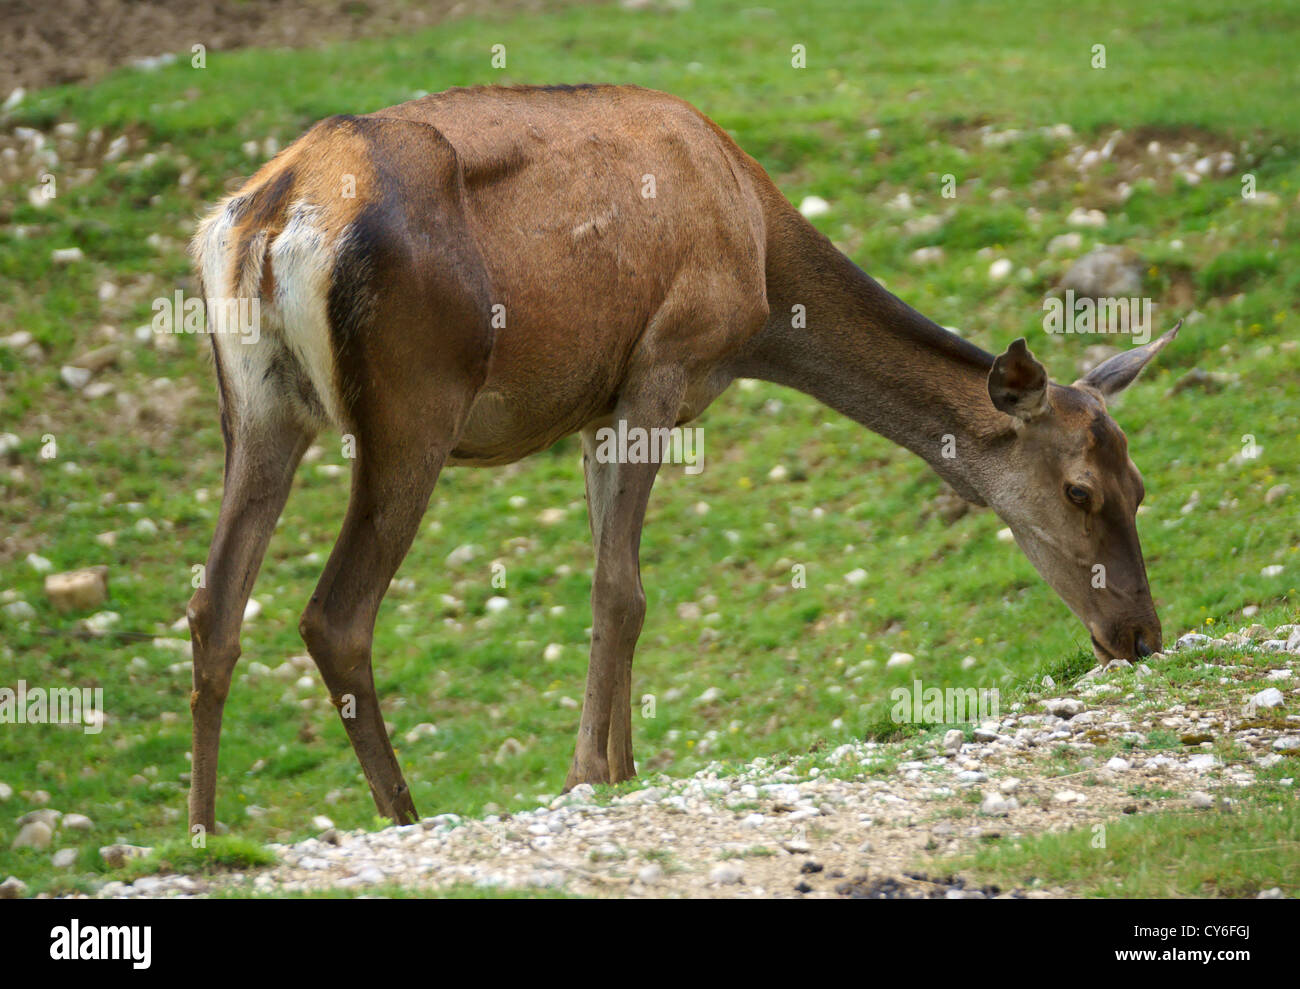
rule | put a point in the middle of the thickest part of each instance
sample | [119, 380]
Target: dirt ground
[45, 44]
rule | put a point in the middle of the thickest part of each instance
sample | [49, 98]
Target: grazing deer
[519, 264]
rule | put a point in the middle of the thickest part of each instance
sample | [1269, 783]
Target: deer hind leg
[260, 461]
[617, 495]
[404, 432]
[391, 484]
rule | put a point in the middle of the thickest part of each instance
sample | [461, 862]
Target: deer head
[1070, 493]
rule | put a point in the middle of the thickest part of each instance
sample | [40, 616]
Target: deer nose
[1140, 646]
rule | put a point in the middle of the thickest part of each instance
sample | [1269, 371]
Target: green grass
[1163, 854]
[889, 102]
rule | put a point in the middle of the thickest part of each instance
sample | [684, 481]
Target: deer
[517, 264]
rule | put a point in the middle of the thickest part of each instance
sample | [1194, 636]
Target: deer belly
[504, 427]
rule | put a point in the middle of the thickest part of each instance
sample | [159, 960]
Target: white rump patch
[301, 263]
[294, 321]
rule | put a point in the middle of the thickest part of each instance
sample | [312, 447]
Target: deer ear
[1112, 376]
[1018, 383]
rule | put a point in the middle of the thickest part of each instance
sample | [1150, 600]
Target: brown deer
[514, 265]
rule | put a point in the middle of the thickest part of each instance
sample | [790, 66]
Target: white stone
[813, 206]
[1271, 697]
[726, 874]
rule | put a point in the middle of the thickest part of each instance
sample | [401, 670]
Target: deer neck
[835, 334]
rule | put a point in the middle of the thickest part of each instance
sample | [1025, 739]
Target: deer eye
[1078, 495]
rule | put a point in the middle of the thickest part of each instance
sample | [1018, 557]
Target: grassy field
[889, 103]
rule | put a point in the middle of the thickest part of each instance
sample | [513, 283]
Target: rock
[1200, 800]
[20, 611]
[1065, 243]
[321, 823]
[1276, 493]
[65, 858]
[1192, 640]
[66, 255]
[78, 590]
[1287, 743]
[46, 815]
[36, 834]
[1063, 707]
[101, 622]
[726, 874]
[13, 889]
[1207, 381]
[1271, 697]
[996, 805]
[650, 874]
[96, 360]
[949, 505]
[999, 269]
[900, 659]
[425, 729]
[75, 378]
[1080, 217]
[1119, 765]
[462, 554]
[1105, 273]
[953, 739]
[813, 206]
[509, 748]
[116, 856]
[6, 791]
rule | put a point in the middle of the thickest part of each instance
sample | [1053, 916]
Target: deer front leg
[617, 495]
